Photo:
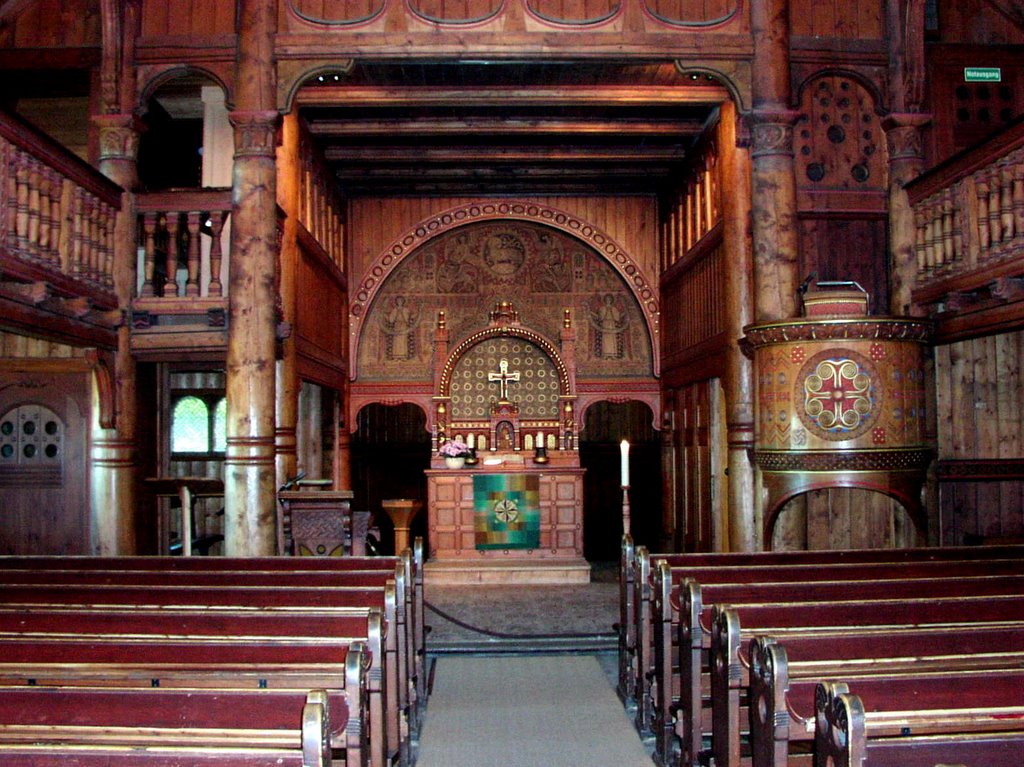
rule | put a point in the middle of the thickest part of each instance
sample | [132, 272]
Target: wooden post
[288, 176]
[773, 198]
[113, 504]
[249, 479]
[738, 381]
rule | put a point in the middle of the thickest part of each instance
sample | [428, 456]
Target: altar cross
[503, 377]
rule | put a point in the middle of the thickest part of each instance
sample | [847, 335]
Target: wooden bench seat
[729, 673]
[678, 640]
[406, 569]
[148, 719]
[948, 669]
[658, 600]
[636, 574]
[214, 638]
[852, 731]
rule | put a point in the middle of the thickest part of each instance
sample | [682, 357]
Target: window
[199, 424]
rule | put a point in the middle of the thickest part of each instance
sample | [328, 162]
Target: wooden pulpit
[314, 523]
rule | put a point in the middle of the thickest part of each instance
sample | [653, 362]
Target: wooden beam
[606, 96]
[507, 126]
[501, 154]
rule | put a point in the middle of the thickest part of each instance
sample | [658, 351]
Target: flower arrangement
[454, 448]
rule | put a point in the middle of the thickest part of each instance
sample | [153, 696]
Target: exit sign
[983, 75]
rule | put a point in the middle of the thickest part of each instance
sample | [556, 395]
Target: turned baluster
[1006, 203]
[56, 215]
[46, 250]
[958, 225]
[171, 257]
[948, 254]
[930, 257]
[920, 246]
[149, 263]
[108, 218]
[216, 225]
[32, 232]
[984, 238]
[21, 172]
[192, 284]
[995, 196]
[75, 265]
[1018, 195]
[95, 255]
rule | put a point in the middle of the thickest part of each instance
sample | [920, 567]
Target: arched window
[198, 425]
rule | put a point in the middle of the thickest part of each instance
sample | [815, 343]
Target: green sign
[983, 75]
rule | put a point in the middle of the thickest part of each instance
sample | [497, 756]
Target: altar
[514, 512]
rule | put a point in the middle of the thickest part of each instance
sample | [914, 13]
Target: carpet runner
[526, 711]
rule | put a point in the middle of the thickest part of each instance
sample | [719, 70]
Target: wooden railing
[969, 215]
[173, 227]
[57, 218]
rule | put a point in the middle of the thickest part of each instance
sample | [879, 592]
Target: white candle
[540, 439]
[624, 448]
[471, 441]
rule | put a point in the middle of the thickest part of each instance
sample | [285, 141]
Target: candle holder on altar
[541, 455]
[471, 459]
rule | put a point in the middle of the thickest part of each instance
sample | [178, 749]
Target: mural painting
[466, 270]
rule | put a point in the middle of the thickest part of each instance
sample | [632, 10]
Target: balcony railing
[969, 216]
[57, 220]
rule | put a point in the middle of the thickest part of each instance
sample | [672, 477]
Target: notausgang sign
[983, 75]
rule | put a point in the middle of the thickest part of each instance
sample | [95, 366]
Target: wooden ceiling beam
[507, 96]
[594, 174]
[417, 155]
[504, 126]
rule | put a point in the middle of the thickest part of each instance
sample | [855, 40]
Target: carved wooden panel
[692, 12]
[57, 24]
[813, 18]
[44, 501]
[187, 17]
[569, 12]
[333, 13]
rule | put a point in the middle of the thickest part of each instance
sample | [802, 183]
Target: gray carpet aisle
[526, 711]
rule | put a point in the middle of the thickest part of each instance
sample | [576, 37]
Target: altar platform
[525, 571]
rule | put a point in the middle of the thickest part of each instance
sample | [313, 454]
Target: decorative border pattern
[564, 383]
[884, 328]
[912, 459]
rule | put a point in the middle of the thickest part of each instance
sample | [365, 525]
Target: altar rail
[57, 217]
[969, 215]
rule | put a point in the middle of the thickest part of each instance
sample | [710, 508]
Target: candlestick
[624, 449]
[540, 439]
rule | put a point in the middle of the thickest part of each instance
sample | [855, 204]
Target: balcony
[180, 303]
[57, 226]
[969, 216]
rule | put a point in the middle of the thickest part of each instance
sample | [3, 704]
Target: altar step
[490, 571]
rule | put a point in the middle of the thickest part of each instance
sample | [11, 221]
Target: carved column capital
[119, 136]
[255, 132]
[903, 134]
[772, 132]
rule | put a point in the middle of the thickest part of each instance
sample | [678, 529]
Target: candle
[624, 448]
[540, 439]
[471, 441]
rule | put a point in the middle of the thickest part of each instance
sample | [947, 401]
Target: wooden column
[249, 471]
[113, 501]
[773, 197]
[905, 22]
[288, 175]
[906, 161]
[738, 381]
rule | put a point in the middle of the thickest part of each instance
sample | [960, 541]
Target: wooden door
[44, 499]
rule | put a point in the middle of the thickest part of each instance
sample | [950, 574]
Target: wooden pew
[159, 571]
[636, 578]
[793, 582]
[639, 612]
[295, 726]
[729, 671]
[388, 676]
[261, 660]
[910, 668]
[852, 731]
[409, 587]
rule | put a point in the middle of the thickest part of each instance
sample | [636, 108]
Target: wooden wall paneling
[975, 21]
[155, 18]
[987, 430]
[57, 24]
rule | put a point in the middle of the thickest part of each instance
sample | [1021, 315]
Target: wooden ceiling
[471, 128]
